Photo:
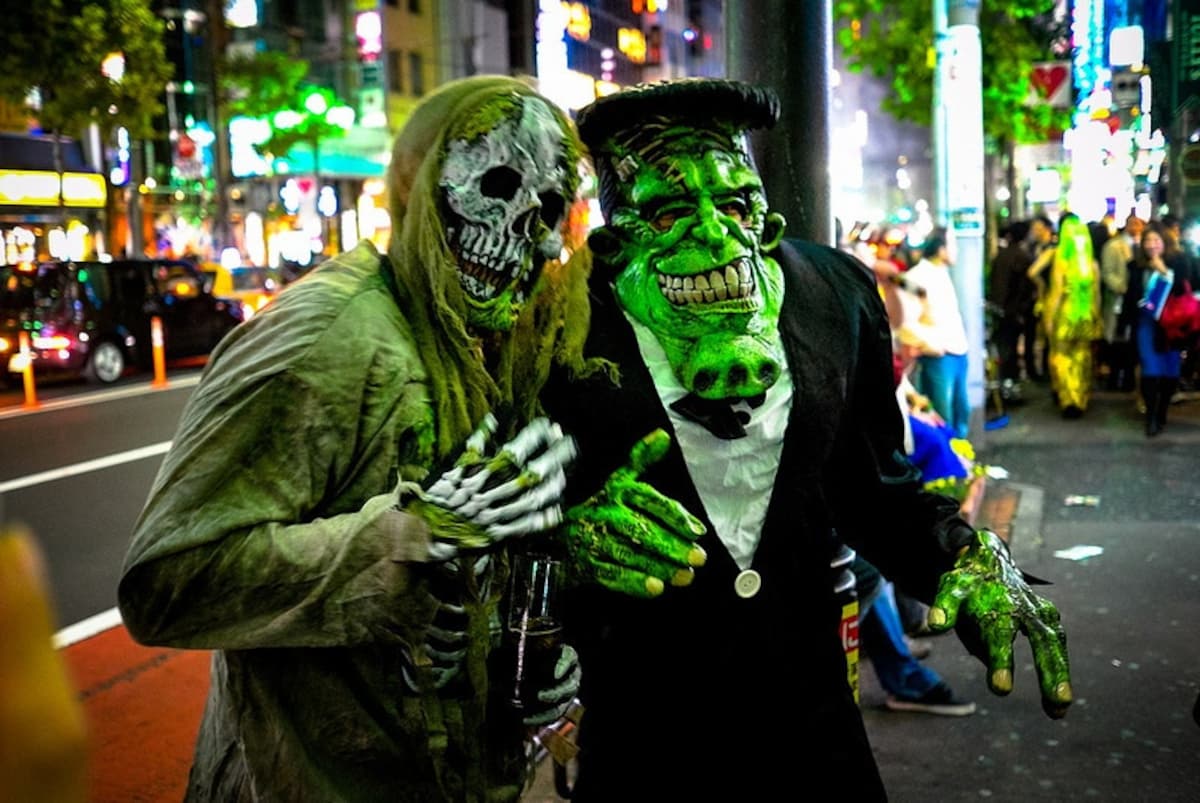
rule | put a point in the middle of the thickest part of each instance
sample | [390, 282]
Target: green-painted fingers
[626, 581]
[629, 537]
[996, 595]
[645, 453]
[646, 498]
[954, 588]
[1048, 641]
[608, 536]
[999, 633]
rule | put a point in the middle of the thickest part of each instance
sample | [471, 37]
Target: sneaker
[938, 700]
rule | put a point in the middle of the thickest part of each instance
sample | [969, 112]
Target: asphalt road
[1131, 612]
[77, 469]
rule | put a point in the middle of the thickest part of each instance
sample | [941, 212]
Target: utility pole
[217, 38]
[959, 172]
[787, 46]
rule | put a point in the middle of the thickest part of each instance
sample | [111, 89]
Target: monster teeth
[734, 281]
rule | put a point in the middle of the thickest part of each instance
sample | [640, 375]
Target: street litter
[996, 472]
[1078, 500]
[1080, 552]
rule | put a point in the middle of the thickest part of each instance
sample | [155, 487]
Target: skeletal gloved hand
[440, 657]
[629, 537]
[555, 700]
[486, 498]
[997, 597]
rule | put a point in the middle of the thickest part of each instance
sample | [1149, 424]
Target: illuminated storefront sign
[368, 34]
[241, 13]
[632, 42]
[1087, 37]
[579, 21]
[40, 188]
[368, 31]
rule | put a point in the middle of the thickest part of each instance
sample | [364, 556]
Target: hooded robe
[273, 533]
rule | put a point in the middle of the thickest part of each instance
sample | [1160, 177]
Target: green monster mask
[505, 187]
[689, 229]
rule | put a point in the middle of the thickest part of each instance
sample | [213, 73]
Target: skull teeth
[733, 282]
[486, 266]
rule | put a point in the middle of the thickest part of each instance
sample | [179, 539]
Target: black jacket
[701, 692]
[1009, 288]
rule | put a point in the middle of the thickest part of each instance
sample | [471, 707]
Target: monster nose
[708, 225]
[525, 224]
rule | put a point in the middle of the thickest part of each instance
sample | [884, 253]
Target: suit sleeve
[880, 509]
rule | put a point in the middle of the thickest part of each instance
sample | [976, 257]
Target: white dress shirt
[734, 478]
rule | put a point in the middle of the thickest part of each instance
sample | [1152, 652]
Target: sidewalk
[143, 708]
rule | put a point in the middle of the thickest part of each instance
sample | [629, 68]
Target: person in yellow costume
[43, 735]
[1071, 314]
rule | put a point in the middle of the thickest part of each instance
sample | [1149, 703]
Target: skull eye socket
[552, 208]
[500, 182]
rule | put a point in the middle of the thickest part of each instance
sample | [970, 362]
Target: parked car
[252, 287]
[94, 318]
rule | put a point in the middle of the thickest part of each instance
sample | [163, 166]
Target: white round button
[747, 583]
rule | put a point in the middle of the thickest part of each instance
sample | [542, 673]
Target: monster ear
[604, 242]
[607, 245]
[773, 229]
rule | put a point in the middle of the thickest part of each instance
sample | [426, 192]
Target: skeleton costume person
[334, 516]
[763, 369]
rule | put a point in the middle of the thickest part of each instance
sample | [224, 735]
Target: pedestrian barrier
[25, 364]
[156, 343]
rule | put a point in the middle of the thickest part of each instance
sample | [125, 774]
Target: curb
[1026, 530]
[1013, 511]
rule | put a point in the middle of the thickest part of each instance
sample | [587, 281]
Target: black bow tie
[717, 415]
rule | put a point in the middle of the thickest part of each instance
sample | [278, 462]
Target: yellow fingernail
[937, 617]
[683, 577]
[1002, 680]
[697, 556]
[1063, 693]
[698, 527]
[654, 586]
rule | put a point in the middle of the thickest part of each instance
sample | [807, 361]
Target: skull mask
[505, 191]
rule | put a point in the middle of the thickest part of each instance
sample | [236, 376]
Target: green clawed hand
[996, 596]
[629, 537]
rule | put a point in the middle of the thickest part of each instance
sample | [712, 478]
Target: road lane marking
[105, 620]
[82, 468]
[96, 398]
[87, 628]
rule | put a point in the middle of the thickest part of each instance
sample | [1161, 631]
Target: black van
[94, 318]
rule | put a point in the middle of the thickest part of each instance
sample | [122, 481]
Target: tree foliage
[260, 84]
[893, 39]
[266, 83]
[53, 50]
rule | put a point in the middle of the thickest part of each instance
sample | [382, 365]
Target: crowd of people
[1091, 317]
[1069, 306]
